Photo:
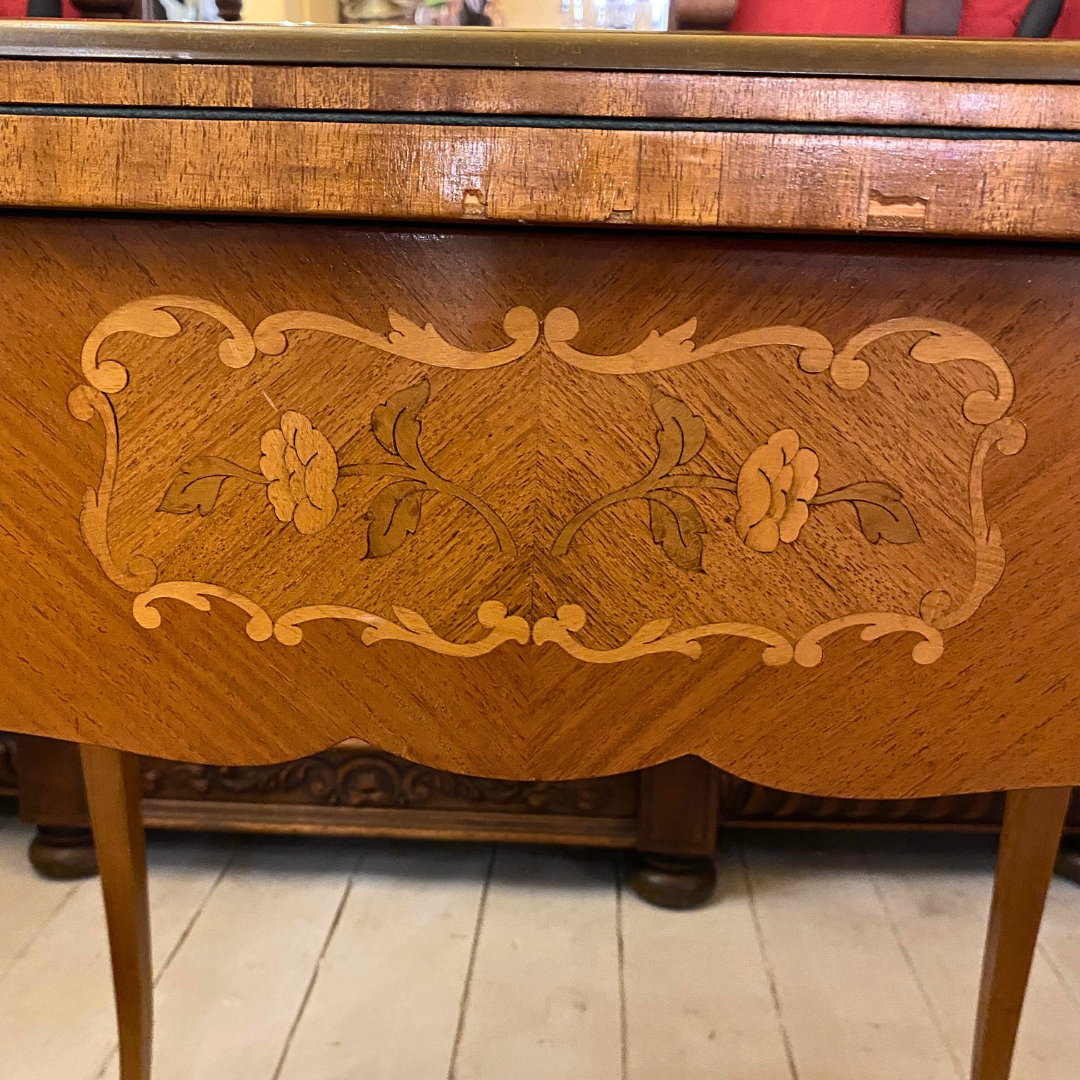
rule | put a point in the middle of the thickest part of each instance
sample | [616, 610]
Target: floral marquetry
[709, 501]
[303, 472]
[774, 489]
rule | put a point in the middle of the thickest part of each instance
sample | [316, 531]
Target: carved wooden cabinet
[545, 408]
[358, 790]
[666, 814]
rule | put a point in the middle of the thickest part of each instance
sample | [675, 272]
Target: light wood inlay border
[941, 343]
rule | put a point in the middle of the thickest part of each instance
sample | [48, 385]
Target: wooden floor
[822, 958]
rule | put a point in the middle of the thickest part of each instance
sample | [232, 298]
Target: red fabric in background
[1000, 18]
[877, 17]
[16, 9]
[991, 18]
[1068, 24]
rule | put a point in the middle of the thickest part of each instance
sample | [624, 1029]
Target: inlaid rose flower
[301, 473]
[774, 488]
[302, 469]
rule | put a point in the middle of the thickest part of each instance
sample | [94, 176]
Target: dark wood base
[62, 853]
[1068, 861]
[673, 881]
[672, 811]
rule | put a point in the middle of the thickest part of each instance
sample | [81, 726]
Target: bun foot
[673, 881]
[1068, 861]
[63, 853]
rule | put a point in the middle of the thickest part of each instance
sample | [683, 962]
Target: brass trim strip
[1007, 60]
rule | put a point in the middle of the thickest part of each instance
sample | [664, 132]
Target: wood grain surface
[536, 438]
[580, 176]
[1038, 106]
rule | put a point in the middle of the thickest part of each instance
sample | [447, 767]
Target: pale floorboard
[938, 903]
[226, 1004]
[57, 1020]
[386, 1000]
[1059, 940]
[29, 902]
[699, 1004]
[543, 1003]
[281, 959]
[850, 1003]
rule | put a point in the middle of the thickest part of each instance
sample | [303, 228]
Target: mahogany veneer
[668, 476]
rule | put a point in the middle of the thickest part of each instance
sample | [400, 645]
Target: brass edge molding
[1004, 60]
[941, 342]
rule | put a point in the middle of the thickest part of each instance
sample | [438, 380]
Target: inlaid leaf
[677, 527]
[396, 422]
[197, 486]
[393, 516]
[413, 620]
[650, 631]
[681, 435]
[882, 513]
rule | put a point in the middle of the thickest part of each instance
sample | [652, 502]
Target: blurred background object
[458, 13]
[378, 11]
[615, 14]
[921, 18]
[932, 18]
[702, 14]
[885, 17]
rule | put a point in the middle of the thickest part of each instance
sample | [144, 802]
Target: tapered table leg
[112, 790]
[1029, 842]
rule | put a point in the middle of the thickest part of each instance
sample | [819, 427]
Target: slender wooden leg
[678, 815]
[112, 790]
[1029, 842]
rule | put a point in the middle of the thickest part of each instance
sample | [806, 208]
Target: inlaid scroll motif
[775, 490]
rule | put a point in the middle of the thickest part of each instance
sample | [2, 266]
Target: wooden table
[632, 397]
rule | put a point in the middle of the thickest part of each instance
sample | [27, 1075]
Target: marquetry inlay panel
[770, 484]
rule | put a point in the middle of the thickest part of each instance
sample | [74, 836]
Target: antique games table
[545, 406]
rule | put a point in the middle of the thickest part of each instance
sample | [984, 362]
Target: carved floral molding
[776, 487]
